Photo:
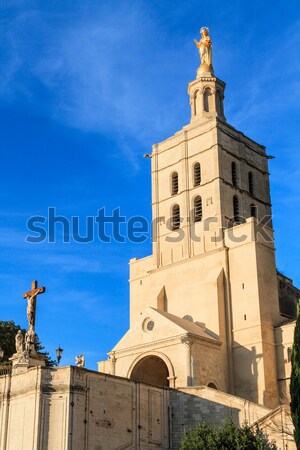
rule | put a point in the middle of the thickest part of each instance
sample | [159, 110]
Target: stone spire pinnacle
[206, 91]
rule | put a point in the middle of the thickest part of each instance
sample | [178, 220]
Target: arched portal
[151, 369]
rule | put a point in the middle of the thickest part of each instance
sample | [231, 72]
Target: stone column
[113, 361]
[192, 104]
[199, 103]
[189, 372]
[215, 109]
[172, 381]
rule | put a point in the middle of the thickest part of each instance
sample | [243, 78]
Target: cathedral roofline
[190, 327]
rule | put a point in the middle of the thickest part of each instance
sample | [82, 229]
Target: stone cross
[31, 306]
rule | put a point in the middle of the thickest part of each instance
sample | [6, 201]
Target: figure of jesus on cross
[31, 306]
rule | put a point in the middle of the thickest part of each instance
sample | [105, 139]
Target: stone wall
[193, 404]
[190, 405]
[69, 408]
[284, 342]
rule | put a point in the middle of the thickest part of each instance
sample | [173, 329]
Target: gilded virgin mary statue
[205, 51]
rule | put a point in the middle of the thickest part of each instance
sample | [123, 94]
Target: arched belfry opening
[151, 369]
[208, 100]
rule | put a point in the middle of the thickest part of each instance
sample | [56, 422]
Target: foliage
[8, 331]
[295, 382]
[229, 437]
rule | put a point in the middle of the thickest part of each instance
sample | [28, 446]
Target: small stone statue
[80, 361]
[30, 337]
[205, 50]
[19, 342]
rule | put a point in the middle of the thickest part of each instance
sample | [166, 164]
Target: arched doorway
[151, 369]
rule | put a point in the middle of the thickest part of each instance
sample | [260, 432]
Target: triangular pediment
[155, 325]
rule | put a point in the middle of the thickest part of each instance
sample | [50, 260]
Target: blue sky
[86, 87]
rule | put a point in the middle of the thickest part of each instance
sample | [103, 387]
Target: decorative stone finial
[205, 52]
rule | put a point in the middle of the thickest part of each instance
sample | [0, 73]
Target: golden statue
[205, 51]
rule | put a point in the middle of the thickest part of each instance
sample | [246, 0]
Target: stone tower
[204, 306]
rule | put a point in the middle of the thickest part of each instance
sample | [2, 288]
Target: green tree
[8, 331]
[295, 381]
[229, 437]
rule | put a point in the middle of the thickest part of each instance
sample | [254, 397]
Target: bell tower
[206, 178]
[206, 301]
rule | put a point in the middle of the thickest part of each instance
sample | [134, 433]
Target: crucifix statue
[31, 305]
